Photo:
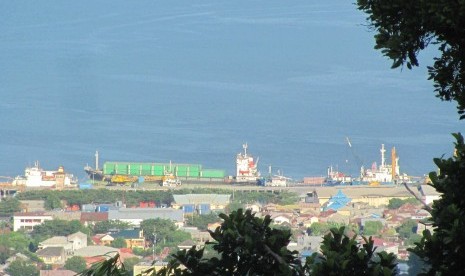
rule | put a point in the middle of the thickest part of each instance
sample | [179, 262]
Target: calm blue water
[191, 81]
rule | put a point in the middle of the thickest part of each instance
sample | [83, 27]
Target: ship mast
[96, 160]
[393, 163]
[383, 159]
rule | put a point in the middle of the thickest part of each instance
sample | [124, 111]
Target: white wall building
[27, 221]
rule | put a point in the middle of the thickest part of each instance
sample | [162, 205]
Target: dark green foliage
[342, 255]
[118, 243]
[57, 227]
[76, 264]
[9, 206]
[407, 228]
[52, 202]
[102, 227]
[406, 27]
[165, 230]
[372, 228]
[202, 221]
[396, 203]
[247, 245]
[444, 248]
[79, 197]
[129, 264]
[22, 268]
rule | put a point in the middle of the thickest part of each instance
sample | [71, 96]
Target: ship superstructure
[246, 167]
[37, 177]
[384, 173]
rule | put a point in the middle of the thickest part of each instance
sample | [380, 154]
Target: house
[52, 255]
[27, 221]
[102, 239]
[134, 238]
[135, 216]
[69, 243]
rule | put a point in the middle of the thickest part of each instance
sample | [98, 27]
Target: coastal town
[55, 227]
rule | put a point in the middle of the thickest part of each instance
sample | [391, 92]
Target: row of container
[160, 169]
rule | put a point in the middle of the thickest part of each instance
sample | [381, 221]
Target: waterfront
[190, 83]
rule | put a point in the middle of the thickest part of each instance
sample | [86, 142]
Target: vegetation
[202, 221]
[56, 227]
[396, 203]
[444, 248]
[372, 228]
[164, 231]
[405, 28]
[76, 264]
[247, 245]
[341, 255]
[102, 227]
[118, 243]
[9, 206]
[22, 268]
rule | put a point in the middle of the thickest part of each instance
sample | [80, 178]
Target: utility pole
[154, 243]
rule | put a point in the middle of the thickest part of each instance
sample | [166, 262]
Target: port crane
[357, 158]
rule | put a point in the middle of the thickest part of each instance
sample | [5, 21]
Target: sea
[192, 81]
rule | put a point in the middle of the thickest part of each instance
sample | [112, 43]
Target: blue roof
[337, 202]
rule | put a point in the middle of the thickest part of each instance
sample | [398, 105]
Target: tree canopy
[444, 247]
[247, 245]
[76, 264]
[404, 28]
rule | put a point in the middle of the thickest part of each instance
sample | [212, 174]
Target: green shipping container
[212, 173]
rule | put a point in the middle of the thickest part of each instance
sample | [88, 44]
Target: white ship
[37, 177]
[246, 168]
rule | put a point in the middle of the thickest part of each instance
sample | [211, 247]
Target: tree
[129, 264]
[202, 221]
[341, 255]
[9, 206]
[247, 245]
[102, 227]
[372, 228]
[404, 28]
[22, 268]
[76, 264]
[52, 202]
[444, 247]
[407, 228]
[161, 227]
[118, 243]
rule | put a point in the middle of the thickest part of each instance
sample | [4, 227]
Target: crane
[357, 158]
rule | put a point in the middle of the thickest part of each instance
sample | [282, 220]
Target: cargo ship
[35, 176]
[168, 173]
[384, 174]
[246, 168]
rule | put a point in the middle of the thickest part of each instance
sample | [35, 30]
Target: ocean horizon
[187, 82]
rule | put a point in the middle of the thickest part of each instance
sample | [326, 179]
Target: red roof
[94, 216]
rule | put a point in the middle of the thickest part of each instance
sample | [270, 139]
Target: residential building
[134, 238]
[52, 255]
[27, 221]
